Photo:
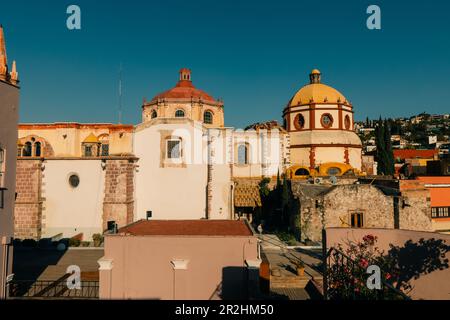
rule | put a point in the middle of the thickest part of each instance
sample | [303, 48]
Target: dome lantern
[314, 76]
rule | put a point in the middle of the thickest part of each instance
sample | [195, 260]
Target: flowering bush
[348, 271]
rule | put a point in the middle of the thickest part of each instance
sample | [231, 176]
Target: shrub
[98, 239]
[74, 242]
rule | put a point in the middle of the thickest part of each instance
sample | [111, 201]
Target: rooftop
[188, 228]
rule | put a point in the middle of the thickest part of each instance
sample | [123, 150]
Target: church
[181, 162]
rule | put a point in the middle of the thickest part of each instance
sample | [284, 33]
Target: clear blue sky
[253, 54]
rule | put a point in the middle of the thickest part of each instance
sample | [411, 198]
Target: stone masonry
[28, 208]
[118, 204]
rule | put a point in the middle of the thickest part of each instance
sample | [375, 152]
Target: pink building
[180, 259]
[9, 113]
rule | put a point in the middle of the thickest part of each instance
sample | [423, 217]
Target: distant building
[180, 260]
[9, 110]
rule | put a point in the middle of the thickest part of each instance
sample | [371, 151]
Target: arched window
[333, 171]
[104, 148]
[208, 117]
[243, 154]
[154, 114]
[302, 172]
[27, 149]
[37, 149]
[179, 113]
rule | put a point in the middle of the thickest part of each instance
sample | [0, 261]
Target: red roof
[188, 228]
[184, 89]
[415, 154]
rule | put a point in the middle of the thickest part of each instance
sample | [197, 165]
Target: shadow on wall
[234, 283]
[415, 259]
[414, 262]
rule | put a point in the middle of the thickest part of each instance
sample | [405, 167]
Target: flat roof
[188, 228]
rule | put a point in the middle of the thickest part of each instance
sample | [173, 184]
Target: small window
[154, 114]
[242, 154]
[208, 117]
[88, 151]
[326, 120]
[105, 150]
[179, 114]
[27, 149]
[173, 149]
[37, 149]
[347, 122]
[299, 121]
[74, 180]
[356, 220]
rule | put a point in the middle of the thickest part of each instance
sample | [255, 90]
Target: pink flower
[363, 263]
[387, 276]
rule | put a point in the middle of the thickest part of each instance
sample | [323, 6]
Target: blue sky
[253, 54]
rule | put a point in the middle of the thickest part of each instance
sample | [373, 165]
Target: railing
[345, 279]
[41, 289]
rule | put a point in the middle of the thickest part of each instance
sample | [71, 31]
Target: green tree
[384, 154]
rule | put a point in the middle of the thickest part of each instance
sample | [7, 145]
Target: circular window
[326, 120]
[347, 122]
[74, 180]
[299, 121]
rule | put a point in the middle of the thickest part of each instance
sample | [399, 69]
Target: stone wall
[381, 206]
[28, 207]
[118, 204]
[415, 206]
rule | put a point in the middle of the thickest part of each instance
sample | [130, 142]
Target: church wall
[300, 156]
[72, 210]
[170, 191]
[66, 140]
[355, 157]
[329, 154]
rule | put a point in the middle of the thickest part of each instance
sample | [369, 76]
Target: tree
[384, 154]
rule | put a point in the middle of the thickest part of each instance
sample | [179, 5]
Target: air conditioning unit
[318, 180]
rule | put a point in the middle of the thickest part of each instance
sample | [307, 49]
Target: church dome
[184, 89]
[317, 92]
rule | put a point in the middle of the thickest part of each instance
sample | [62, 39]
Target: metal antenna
[120, 94]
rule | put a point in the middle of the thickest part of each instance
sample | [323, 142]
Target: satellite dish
[333, 180]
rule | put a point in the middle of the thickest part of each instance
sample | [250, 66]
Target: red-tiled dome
[184, 89]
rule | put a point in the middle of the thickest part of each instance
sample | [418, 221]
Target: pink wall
[142, 268]
[435, 285]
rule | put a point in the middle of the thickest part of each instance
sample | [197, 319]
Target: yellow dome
[319, 93]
